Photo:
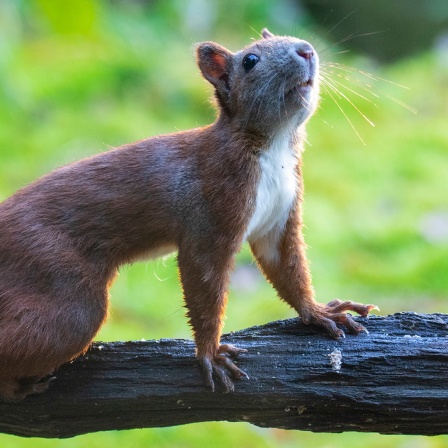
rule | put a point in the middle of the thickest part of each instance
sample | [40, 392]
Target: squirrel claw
[335, 312]
[230, 350]
[222, 369]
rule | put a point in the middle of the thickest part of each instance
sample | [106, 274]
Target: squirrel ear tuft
[215, 63]
[266, 33]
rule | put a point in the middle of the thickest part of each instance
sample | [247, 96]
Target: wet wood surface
[391, 381]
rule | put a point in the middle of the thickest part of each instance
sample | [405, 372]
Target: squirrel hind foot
[15, 390]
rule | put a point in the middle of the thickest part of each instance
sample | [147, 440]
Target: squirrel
[200, 192]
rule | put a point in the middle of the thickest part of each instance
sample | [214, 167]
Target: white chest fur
[276, 190]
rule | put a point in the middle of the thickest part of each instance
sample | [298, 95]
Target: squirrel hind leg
[14, 390]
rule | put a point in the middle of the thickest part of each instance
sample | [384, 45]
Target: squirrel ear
[215, 63]
[266, 33]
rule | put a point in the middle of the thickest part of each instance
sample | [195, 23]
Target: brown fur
[63, 237]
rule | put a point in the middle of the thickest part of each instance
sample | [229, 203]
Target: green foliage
[78, 77]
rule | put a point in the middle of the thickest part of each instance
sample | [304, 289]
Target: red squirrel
[201, 192]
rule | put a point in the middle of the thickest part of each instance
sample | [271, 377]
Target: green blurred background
[80, 77]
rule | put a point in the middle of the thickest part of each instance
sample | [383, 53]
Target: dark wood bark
[392, 381]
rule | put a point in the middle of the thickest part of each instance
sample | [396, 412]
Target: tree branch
[392, 381]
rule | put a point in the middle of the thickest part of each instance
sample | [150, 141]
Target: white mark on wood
[336, 360]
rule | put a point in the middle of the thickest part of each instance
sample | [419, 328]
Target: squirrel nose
[307, 54]
[305, 51]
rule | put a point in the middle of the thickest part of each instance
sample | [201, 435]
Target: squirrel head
[269, 84]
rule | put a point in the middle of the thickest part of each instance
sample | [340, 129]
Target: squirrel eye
[250, 61]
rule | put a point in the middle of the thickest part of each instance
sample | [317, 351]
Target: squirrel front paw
[335, 312]
[221, 368]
